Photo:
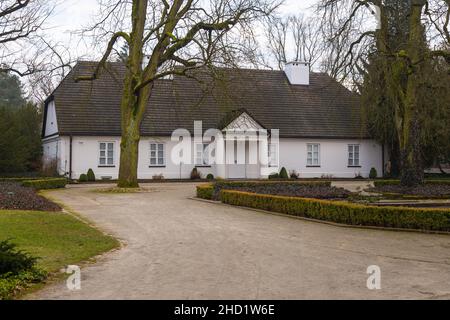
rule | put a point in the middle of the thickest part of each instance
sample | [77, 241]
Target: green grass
[119, 190]
[58, 239]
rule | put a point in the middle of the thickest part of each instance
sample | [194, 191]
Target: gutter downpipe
[70, 158]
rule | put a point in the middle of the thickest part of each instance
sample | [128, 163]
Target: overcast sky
[73, 15]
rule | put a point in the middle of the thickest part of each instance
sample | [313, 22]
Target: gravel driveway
[177, 248]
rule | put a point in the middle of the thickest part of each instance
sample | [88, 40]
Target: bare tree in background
[186, 33]
[403, 72]
[25, 49]
[294, 38]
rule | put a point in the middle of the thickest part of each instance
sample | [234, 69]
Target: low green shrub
[205, 192]
[274, 176]
[17, 270]
[344, 212]
[373, 173]
[83, 178]
[54, 183]
[91, 175]
[13, 261]
[11, 285]
[284, 174]
[210, 177]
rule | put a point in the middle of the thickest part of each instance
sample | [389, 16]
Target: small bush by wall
[373, 173]
[344, 212]
[205, 192]
[91, 175]
[284, 174]
[55, 183]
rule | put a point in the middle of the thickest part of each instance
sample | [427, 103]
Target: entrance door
[237, 159]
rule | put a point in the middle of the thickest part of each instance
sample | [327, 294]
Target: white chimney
[298, 73]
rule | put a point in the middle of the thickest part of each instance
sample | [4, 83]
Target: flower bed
[426, 191]
[14, 196]
[343, 212]
[305, 189]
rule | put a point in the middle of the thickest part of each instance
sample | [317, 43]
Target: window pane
[153, 161]
[102, 146]
[153, 147]
[160, 161]
[161, 147]
[102, 161]
[110, 161]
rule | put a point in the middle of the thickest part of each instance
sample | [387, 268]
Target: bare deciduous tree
[186, 33]
[294, 38]
[403, 70]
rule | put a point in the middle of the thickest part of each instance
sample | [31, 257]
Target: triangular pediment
[243, 122]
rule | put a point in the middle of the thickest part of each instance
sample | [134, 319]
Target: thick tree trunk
[129, 155]
[410, 137]
[133, 109]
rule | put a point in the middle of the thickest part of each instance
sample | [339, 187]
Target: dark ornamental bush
[373, 173]
[195, 174]
[210, 177]
[91, 175]
[83, 178]
[284, 174]
[274, 176]
[13, 261]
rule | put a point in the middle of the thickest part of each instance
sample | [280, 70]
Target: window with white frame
[273, 155]
[157, 154]
[313, 155]
[353, 155]
[106, 154]
[202, 154]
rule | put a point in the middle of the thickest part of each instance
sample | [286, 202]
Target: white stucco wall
[86, 156]
[333, 157]
[51, 124]
[293, 156]
[57, 148]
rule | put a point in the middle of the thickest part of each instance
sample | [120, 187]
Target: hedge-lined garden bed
[343, 212]
[306, 189]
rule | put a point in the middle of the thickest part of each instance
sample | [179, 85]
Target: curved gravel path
[177, 248]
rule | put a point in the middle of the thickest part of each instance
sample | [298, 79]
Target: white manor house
[306, 122]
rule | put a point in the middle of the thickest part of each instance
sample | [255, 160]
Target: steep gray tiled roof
[324, 109]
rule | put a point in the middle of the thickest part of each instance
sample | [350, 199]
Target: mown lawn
[58, 239]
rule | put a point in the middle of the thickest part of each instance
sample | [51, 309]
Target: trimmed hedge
[205, 192]
[18, 179]
[55, 183]
[382, 183]
[344, 212]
